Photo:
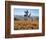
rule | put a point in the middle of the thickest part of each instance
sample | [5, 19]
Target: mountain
[21, 17]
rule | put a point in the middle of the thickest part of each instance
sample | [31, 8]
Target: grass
[25, 25]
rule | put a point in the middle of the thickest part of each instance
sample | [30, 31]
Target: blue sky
[18, 11]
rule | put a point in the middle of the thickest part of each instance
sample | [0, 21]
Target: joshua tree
[26, 14]
[29, 15]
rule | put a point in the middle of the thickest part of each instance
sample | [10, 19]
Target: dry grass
[18, 25]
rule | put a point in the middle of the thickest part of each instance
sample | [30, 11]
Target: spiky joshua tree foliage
[26, 14]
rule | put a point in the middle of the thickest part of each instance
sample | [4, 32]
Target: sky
[20, 11]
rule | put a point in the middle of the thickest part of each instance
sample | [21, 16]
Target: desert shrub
[26, 25]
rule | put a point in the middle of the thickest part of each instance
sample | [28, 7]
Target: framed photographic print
[24, 19]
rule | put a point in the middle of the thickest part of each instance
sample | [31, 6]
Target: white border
[26, 31]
